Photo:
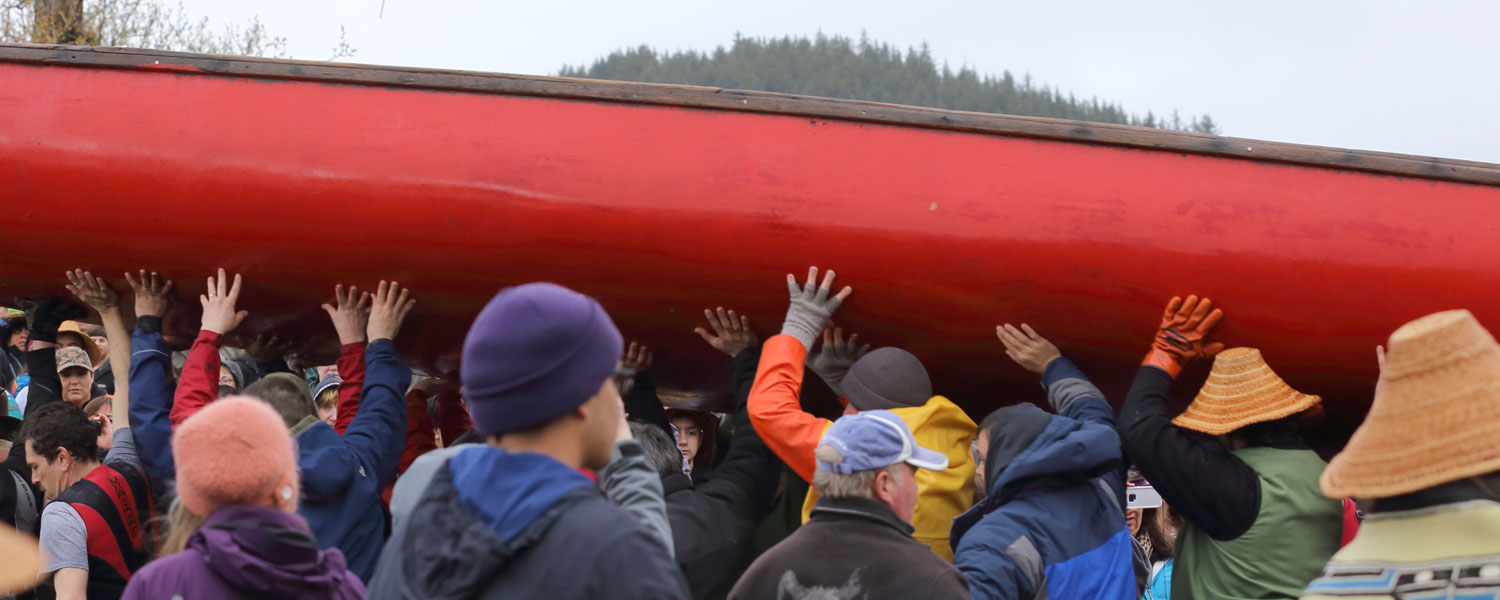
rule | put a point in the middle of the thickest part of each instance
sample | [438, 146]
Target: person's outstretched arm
[151, 377]
[746, 481]
[97, 294]
[1069, 391]
[350, 315]
[641, 402]
[1201, 480]
[378, 433]
[775, 398]
[200, 374]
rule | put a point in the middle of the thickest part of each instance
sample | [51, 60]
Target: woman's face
[1133, 520]
[689, 437]
[77, 385]
[18, 339]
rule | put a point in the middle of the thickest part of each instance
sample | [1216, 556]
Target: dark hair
[1161, 543]
[61, 425]
[289, 400]
[661, 454]
[1275, 433]
[92, 330]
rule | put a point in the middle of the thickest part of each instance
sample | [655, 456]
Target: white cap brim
[923, 458]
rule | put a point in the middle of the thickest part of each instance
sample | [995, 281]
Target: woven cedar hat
[1436, 415]
[1242, 390]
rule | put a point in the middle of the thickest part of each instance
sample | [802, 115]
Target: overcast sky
[1393, 75]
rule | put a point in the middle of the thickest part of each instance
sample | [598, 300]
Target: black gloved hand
[43, 318]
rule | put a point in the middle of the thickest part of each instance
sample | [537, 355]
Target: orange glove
[1180, 337]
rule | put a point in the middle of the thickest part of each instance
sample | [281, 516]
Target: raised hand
[811, 306]
[1029, 349]
[637, 358]
[351, 314]
[731, 332]
[92, 291]
[834, 358]
[219, 314]
[391, 305]
[1181, 337]
[152, 293]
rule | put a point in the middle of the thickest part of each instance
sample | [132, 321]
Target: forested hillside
[839, 67]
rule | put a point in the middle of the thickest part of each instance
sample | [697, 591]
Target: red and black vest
[117, 508]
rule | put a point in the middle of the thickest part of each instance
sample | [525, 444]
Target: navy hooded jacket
[1053, 525]
[495, 524]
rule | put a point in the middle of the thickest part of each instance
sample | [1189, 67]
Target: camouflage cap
[73, 356]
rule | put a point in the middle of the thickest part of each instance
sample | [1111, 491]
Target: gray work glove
[832, 361]
[812, 306]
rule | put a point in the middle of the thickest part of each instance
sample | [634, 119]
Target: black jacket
[851, 548]
[713, 524]
[1201, 480]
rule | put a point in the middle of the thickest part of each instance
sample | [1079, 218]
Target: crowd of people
[552, 469]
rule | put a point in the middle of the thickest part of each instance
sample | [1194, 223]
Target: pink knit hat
[236, 450]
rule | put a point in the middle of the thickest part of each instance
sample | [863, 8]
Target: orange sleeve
[776, 410]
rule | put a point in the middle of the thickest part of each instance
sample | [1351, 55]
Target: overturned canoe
[663, 200]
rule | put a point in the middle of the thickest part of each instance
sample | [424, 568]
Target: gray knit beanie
[887, 378]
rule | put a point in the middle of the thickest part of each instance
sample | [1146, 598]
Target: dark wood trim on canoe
[760, 102]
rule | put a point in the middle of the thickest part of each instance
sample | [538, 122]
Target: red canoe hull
[662, 207]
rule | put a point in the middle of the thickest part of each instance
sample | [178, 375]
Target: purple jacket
[249, 552]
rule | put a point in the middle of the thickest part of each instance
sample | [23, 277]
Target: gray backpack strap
[26, 512]
[1114, 499]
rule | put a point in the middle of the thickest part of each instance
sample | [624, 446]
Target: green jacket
[1295, 534]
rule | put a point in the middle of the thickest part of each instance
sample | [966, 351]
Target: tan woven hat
[1242, 390]
[85, 341]
[1436, 415]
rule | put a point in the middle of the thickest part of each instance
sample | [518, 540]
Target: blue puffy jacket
[1053, 525]
[151, 388]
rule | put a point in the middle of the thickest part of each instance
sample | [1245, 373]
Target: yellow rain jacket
[793, 434]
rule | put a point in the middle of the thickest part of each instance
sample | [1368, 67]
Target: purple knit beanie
[536, 351]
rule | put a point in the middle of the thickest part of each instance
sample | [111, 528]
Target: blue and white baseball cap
[875, 439]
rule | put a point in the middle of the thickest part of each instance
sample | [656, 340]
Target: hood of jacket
[328, 465]
[481, 510]
[1031, 446]
[268, 552]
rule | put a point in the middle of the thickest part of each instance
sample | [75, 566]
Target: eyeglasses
[974, 451]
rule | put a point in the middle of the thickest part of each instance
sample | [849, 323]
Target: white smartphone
[1142, 496]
